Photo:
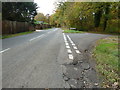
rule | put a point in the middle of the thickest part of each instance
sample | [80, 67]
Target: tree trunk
[97, 18]
[107, 10]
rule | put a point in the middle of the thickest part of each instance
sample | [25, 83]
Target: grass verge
[14, 35]
[72, 31]
[106, 55]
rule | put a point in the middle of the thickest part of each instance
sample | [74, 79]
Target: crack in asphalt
[80, 74]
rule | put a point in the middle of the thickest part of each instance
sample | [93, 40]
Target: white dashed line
[70, 56]
[40, 36]
[36, 37]
[66, 41]
[77, 51]
[68, 37]
[67, 47]
[66, 44]
[4, 50]
[69, 51]
[74, 47]
[70, 40]
[73, 44]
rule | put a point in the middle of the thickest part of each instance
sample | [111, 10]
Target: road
[49, 59]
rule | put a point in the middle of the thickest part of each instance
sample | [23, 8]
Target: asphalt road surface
[49, 59]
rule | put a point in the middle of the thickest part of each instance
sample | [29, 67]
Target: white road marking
[77, 51]
[4, 50]
[70, 40]
[65, 38]
[68, 36]
[73, 44]
[66, 41]
[67, 47]
[66, 44]
[69, 51]
[70, 56]
[74, 47]
[37, 37]
[38, 30]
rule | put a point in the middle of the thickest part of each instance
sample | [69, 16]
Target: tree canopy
[101, 16]
[19, 11]
[41, 17]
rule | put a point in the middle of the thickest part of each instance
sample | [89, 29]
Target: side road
[49, 59]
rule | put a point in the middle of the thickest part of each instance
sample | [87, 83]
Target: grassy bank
[72, 31]
[106, 55]
[17, 34]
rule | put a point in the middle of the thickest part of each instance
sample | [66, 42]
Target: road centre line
[36, 37]
[70, 40]
[66, 44]
[77, 51]
[70, 56]
[67, 47]
[5, 50]
[69, 50]
[65, 40]
[40, 36]
[74, 46]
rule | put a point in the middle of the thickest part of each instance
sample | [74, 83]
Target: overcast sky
[45, 6]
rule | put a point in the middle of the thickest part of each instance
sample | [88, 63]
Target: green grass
[17, 34]
[72, 31]
[106, 54]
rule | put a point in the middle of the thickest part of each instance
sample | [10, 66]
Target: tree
[19, 11]
[97, 13]
[99, 16]
[41, 17]
[106, 16]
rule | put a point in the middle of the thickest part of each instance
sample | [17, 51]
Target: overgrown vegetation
[88, 16]
[13, 35]
[106, 54]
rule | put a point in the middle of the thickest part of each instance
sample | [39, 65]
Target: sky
[45, 6]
